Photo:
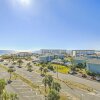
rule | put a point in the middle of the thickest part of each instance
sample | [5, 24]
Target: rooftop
[94, 61]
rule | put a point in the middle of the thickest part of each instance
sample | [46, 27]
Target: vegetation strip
[72, 85]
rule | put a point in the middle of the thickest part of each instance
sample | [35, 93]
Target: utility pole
[57, 71]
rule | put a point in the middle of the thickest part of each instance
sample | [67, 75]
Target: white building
[46, 58]
[93, 65]
[23, 54]
[52, 51]
[76, 53]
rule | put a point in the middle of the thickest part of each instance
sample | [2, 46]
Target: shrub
[51, 68]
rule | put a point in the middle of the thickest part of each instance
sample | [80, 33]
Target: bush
[91, 73]
[51, 68]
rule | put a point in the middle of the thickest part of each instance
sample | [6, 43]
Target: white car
[98, 78]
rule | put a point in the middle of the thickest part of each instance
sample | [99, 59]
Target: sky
[49, 24]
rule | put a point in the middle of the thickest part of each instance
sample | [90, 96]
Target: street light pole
[82, 96]
[57, 71]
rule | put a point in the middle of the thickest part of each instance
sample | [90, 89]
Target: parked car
[11, 66]
[98, 78]
[72, 72]
[93, 77]
[84, 75]
[9, 81]
[19, 66]
[1, 60]
[5, 64]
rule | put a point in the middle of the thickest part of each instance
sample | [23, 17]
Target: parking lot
[21, 88]
[25, 91]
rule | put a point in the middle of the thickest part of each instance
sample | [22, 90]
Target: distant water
[2, 52]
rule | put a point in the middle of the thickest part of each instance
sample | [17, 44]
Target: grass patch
[61, 68]
[63, 96]
[79, 86]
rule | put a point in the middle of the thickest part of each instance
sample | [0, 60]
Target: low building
[93, 65]
[52, 51]
[59, 56]
[23, 54]
[57, 61]
[80, 60]
[76, 53]
[46, 58]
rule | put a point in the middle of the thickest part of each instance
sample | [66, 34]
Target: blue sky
[58, 24]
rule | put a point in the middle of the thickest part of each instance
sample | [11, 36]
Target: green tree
[45, 82]
[9, 58]
[29, 67]
[80, 65]
[2, 87]
[56, 86]
[53, 95]
[13, 57]
[45, 70]
[50, 81]
[5, 96]
[41, 69]
[65, 60]
[14, 96]
[20, 62]
[43, 64]
[50, 68]
[10, 70]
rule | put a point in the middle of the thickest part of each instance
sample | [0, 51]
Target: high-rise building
[52, 51]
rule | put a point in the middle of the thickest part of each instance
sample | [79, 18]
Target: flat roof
[94, 61]
[80, 58]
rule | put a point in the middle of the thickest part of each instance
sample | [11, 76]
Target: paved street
[94, 85]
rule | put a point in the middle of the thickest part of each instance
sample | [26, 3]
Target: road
[93, 84]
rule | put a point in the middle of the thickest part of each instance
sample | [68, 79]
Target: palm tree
[43, 64]
[29, 67]
[10, 70]
[9, 58]
[45, 82]
[53, 95]
[20, 62]
[13, 57]
[50, 81]
[2, 87]
[41, 69]
[5, 95]
[45, 70]
[56, 86]
[14, 96]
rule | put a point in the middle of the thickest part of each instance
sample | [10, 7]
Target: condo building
[52, 51]
[76, 53]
